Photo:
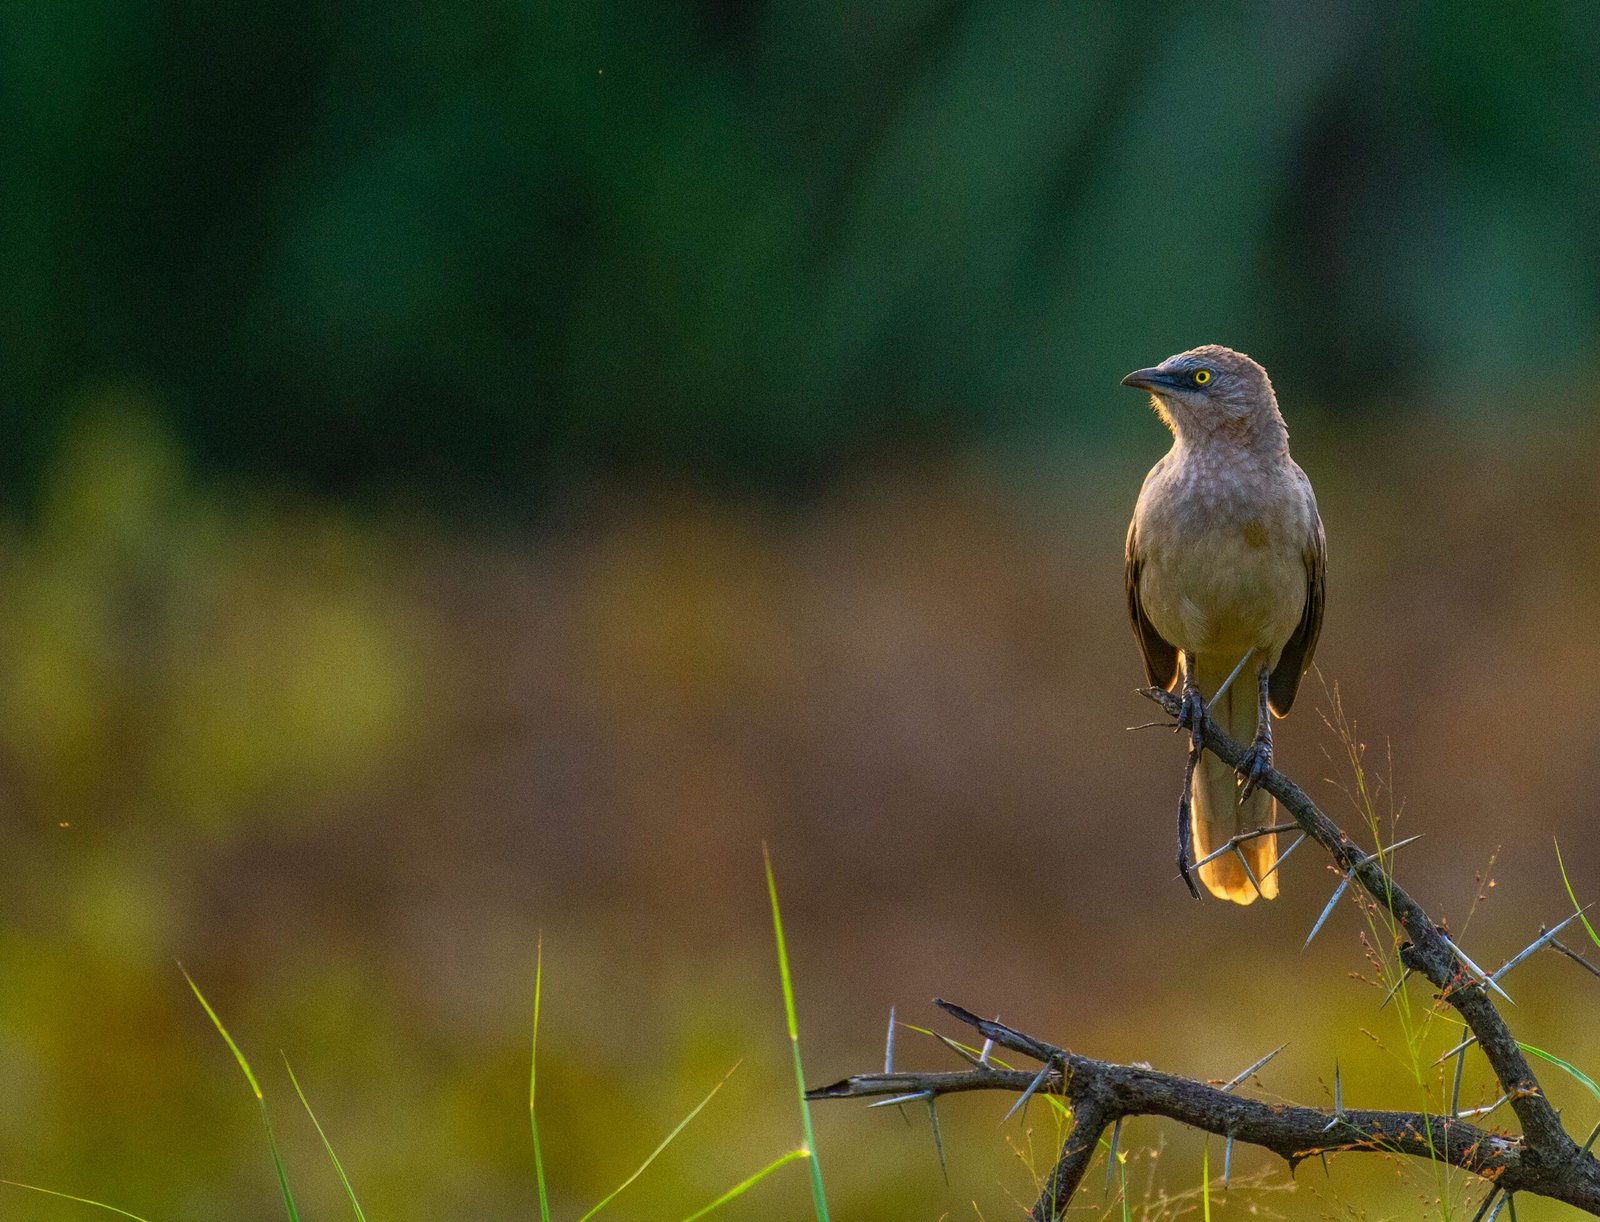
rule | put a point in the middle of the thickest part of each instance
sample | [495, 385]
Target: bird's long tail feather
[1217, 815]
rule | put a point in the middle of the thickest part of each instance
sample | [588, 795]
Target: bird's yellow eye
[1201, 376]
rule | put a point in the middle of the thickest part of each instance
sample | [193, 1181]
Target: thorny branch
[1544, 1161]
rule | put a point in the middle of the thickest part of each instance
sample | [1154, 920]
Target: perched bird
[1225, 563]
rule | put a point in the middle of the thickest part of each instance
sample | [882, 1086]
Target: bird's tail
[1216, 812]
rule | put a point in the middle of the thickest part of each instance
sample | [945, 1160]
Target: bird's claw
[1185, 873]
[1255, 765]
[1191, 712]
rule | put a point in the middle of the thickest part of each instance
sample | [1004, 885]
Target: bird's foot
[1255, 765]
[1191, 712]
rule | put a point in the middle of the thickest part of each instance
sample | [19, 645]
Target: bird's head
[1210, 389]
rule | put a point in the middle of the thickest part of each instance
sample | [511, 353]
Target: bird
[1225, 564]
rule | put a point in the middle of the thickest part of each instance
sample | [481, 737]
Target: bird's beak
[1150, 379]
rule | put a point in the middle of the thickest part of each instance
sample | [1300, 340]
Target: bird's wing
[1160, 657]
[1295, 659]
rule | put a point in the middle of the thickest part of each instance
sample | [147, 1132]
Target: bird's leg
[1257, 761]
[1185, 831]
[1191, 706]
[1191, 714]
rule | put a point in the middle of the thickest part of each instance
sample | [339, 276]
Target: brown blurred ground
[347, 770]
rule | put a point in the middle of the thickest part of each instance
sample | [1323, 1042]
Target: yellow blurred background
[348, 766]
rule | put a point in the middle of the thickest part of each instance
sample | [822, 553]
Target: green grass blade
[67, 1196]
[665, 1142]
[744, 1186]
[971, 1049]
[1593, 937]
[277, 1161]
[1577, 1073]
[326, 1144]
[255, 1088]
[533, 1071]
[819, 1200]
[1205, 1182]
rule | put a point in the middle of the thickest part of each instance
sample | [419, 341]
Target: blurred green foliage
[444, 249]
[169, 654]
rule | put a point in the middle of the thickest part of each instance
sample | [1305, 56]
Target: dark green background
[473, 251]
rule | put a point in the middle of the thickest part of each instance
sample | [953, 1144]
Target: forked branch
[1544, 1161]
[1431, 952]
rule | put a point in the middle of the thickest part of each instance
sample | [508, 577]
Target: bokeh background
[471, 471]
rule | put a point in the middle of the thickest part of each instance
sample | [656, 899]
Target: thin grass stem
[819, 1199]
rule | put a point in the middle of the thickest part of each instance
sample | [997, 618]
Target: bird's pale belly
[1225, 594]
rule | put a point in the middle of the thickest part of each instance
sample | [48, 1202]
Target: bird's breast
[1222, 561]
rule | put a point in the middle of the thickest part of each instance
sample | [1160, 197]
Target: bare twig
[1101, 1093]
[1558, 945]
[1243, 838]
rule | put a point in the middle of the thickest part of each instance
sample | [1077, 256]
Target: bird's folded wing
[1295, 659]
[1160, 657]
